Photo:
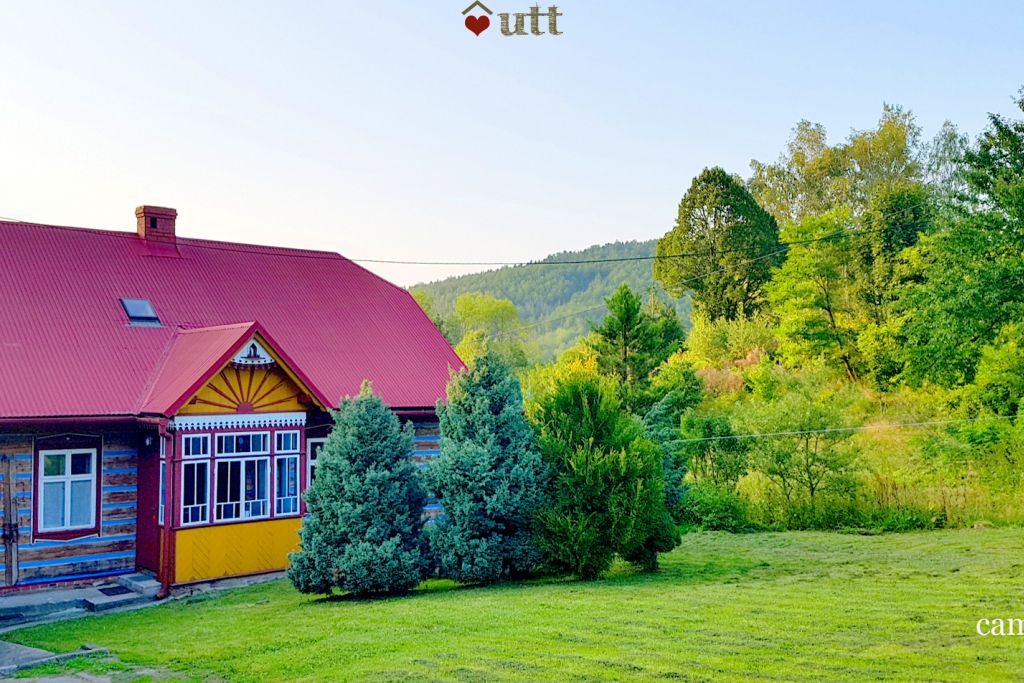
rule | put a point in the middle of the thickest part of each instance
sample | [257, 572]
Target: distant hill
[558, 301]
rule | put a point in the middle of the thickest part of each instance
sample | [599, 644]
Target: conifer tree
[364, 534]
[489, 478]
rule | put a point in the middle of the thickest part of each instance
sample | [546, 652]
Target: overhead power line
[831, 430]
[653, 257]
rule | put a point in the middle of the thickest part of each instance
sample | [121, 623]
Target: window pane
[82, 503]
[250, 480]
[197, 445]
[163, 490]
[235, 489]
[53, 505]
[81, 463]
[53, 465]
[189, 484]
[243, 443]
[201, 480]
[293, 477]
[224, 481]
[139, 309]
[287, 486]
[287, 442]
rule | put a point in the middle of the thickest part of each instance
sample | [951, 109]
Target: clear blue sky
[386, 129]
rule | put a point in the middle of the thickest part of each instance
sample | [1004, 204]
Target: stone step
[141, 582]
[101, 602]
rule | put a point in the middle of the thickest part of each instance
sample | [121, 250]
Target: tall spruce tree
[364, 534]
[633, 340]
[490, 478]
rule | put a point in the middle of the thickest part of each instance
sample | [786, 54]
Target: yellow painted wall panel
[212, 552]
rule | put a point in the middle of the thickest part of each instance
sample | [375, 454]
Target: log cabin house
[162, 399]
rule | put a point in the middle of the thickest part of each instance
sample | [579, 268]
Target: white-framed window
[195, 492]
[242, 489]
[286, 485]
[245, 443]
[195, 445]
[286, 442]
[67, 489]
[313, 447]
[163, 481]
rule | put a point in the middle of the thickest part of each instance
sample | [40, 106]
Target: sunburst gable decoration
[254, 381]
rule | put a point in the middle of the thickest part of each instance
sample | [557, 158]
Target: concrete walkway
[15, 657]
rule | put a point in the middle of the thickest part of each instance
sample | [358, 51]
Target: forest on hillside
[555, 303]
[854, 354]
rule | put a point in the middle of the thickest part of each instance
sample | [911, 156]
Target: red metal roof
[67, 348]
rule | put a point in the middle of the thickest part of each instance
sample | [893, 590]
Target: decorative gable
[255, 380]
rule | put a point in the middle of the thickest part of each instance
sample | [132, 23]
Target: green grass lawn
[787, 606]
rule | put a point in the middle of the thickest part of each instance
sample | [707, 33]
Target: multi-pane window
[67, 489]
[243, 444]
[196, 446]
[286, 490]
[195, 497]
[287, 442]
[242, 490]
[313, 447]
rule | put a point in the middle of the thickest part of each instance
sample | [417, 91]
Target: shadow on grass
[621, 573]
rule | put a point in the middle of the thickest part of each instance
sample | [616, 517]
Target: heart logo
[477, 24]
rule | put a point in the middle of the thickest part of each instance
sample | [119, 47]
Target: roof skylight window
[140, 312]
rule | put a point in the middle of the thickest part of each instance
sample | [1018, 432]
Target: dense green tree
[998, 386]
[808, 415]
[944, 165]
[813, 177]
[677, 389]
[489, 477]
[712, 450]
[807, 180]
[810, 294]
[973, 266]
[486, 324]
[364, 533]
[608, 493]
[722, 248]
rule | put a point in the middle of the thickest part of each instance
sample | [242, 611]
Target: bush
[607, 503]
[490, 478]
[364, 533]
[713, 508]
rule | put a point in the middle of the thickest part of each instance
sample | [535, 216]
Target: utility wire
[829, 430]
[785, 247]
[214, 245]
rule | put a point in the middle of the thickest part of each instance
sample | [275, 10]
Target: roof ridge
[198, 242]
[227, 326]
[179, 332]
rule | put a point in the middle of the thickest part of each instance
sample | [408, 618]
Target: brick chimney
[155, 224]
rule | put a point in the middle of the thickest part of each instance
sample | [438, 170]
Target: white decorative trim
[253, 353]
[189, 423]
